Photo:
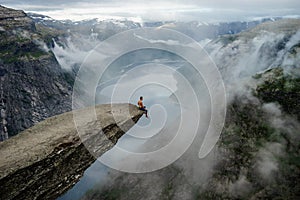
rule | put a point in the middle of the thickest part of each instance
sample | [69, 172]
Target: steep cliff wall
[32, 84]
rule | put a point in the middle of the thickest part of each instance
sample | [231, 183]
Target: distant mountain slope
[33, 86]
[102, 29]
[266, 46]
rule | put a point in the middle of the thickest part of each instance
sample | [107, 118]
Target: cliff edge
[45, 160]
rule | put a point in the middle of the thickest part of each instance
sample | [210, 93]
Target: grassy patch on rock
[283, 89]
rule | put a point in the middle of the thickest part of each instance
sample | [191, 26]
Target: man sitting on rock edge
[142, 107]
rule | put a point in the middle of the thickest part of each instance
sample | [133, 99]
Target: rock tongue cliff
[32, 84]
[44, 161]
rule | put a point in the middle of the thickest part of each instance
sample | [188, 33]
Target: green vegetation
[283, 89]
[209, 194]
[167, 192]
[13, 49]
[247, 130]
[19, 45]
[293, 50]
[228, 39]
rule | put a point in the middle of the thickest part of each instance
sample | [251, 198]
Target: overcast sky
[154, 10]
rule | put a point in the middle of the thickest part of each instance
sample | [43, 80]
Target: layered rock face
[44, 161]
[32, 84]
[10, 18]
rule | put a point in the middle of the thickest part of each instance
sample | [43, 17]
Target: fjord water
[164, 109]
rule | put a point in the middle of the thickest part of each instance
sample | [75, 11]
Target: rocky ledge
[47, 159]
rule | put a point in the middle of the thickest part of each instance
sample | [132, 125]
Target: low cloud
[266, 161]
[189, 10]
